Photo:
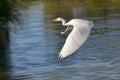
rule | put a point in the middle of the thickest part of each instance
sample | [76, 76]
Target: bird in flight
[78, 35]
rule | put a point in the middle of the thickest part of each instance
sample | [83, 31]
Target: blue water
[35, 44]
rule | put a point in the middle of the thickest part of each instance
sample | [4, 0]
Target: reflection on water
[7, 14]
[35, 43]
[4, 64]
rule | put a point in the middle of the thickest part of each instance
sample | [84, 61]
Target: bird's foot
[62, 32]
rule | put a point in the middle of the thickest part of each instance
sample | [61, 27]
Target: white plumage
[79, 34]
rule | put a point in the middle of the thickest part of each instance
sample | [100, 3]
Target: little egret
[79, 34]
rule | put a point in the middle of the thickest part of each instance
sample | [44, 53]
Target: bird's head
[58, 19]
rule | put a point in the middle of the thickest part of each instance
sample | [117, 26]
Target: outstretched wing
[75, 39]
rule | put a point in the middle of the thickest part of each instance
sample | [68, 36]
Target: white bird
[79, 34]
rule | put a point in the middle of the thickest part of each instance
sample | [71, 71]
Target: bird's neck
[63, 22]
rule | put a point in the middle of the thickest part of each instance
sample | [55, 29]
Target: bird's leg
[65, 30]
[96, 31]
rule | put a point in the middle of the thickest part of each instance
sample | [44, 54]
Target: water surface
[36, 41]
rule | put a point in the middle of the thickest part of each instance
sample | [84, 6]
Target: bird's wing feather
[75, 39]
